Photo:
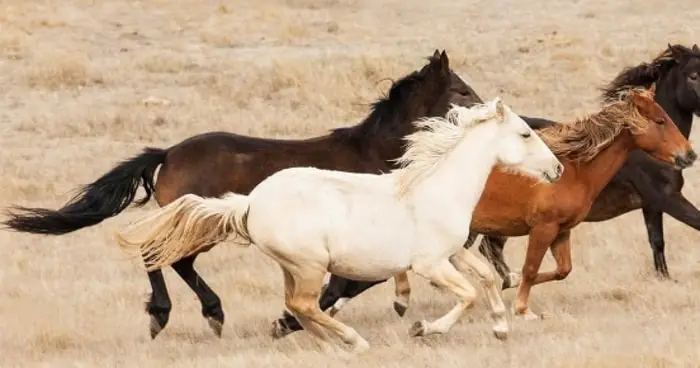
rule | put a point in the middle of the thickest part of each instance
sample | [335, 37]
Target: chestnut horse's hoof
[527, 315]
[216, 325]
[400, 309]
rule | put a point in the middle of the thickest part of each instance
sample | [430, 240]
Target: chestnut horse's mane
[583, 139]
[644, 74]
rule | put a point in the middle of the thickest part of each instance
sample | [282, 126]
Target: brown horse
[237, 163]
[593, 150]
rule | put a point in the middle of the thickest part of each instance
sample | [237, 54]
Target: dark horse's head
[422, 93]
[676, 71]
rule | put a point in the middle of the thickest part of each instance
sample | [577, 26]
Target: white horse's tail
[186, 226]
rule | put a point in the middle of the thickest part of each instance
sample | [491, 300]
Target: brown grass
[84, 84]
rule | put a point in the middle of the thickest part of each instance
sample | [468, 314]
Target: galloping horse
[366, 226]
[642, 182]
[237, 163]
[593, 150]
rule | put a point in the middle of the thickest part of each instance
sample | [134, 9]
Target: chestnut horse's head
[660, 138]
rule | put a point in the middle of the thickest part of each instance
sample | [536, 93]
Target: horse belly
[371, 253]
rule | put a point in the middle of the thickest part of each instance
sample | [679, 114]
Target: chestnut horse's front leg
[541, 238]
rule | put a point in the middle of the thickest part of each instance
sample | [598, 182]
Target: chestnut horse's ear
[652, 89]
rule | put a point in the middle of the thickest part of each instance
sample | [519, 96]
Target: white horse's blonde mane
[435, 139]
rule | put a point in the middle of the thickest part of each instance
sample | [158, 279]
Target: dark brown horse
[237, 163]
[642, 182]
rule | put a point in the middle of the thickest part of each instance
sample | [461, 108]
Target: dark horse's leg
[159, 305]
[338, 288]
[492, 248]
[211, 304]
[655, 230]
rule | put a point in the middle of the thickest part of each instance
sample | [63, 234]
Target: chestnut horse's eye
[660, 121]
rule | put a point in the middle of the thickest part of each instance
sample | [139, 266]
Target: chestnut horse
[642, 182]
[237, 163]
[593, 150]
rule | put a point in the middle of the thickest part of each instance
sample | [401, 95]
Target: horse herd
[409, 188]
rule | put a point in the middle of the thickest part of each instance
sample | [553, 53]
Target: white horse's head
[519, 148]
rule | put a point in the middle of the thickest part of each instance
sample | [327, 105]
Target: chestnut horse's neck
[598, 172]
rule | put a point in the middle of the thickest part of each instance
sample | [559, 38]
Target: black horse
[643, 182]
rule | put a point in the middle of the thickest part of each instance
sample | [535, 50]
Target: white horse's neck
[455, 186]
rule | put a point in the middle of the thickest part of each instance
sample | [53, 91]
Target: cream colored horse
[365, 226]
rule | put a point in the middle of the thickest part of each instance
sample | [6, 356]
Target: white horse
[365, 226]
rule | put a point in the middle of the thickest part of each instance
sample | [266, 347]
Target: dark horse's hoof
[400, 309]
[279, 330]
[216, 325]
[155, 327]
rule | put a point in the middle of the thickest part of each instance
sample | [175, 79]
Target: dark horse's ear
[677, 51]
[436, 54]
[696, 48]
[444, 61]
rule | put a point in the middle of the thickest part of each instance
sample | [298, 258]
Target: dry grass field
[86, 83]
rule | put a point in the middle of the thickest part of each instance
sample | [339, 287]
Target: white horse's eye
[525, 135]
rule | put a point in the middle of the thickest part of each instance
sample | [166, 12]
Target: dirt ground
[88, 83]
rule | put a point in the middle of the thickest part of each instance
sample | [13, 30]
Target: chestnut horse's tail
[188, 225]
[95, 202]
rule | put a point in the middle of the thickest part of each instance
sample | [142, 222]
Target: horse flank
[435, 138]
[582, 140]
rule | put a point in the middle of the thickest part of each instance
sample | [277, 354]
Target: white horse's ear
[500, 109]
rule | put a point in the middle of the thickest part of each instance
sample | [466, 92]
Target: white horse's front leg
[465, 260]
[444, 275]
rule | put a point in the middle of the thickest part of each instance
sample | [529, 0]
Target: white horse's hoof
[501, 332]
[513, 280]
[418, 329]
[360, 347]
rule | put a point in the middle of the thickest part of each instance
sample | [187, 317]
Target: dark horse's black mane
[384, 108]
[644, 74]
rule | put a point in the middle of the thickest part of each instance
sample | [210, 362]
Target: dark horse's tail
[106, 197]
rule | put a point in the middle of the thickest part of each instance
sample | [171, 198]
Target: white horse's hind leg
[465, 260]
[290, 290]
[402, 289]
[304, 305]
[444, 274]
